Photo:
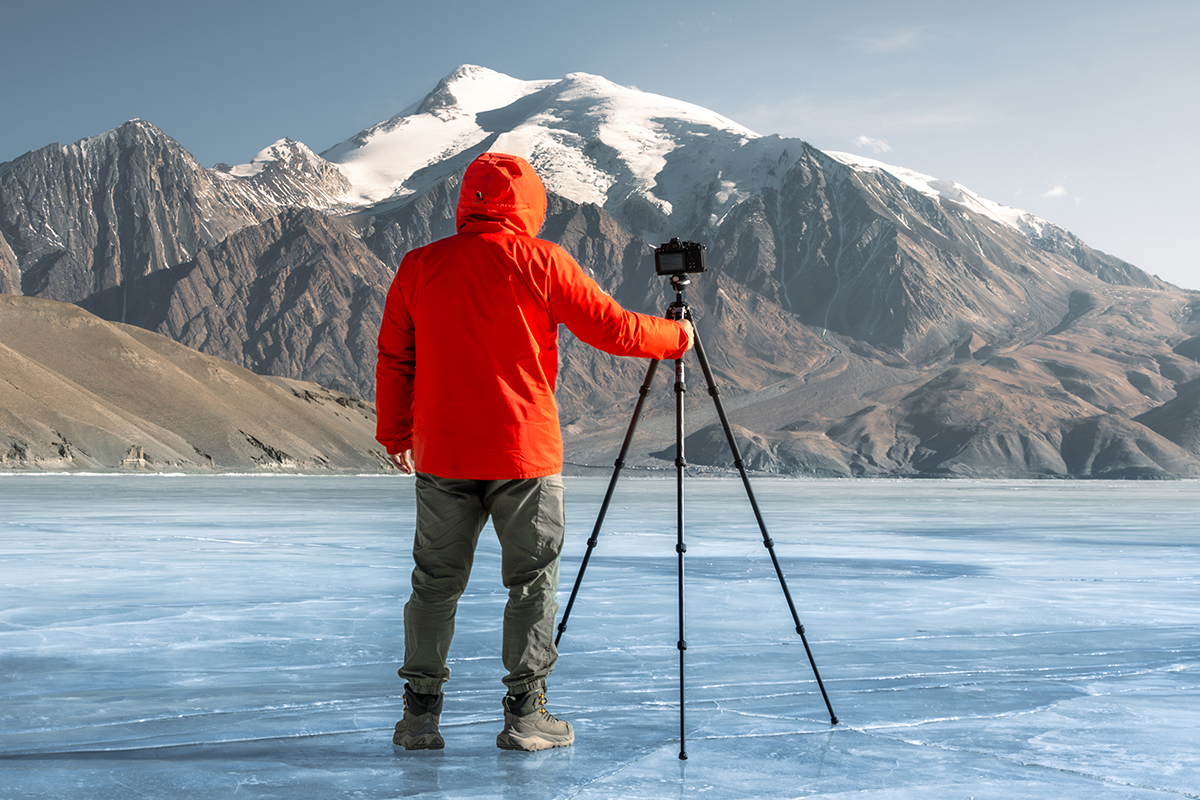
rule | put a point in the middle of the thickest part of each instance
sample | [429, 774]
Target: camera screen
[671, 263]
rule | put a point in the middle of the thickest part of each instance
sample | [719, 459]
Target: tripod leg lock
[681, 644]
[681, 548]
[679, 462]
[769, 543]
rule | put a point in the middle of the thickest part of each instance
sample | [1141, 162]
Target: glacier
[222, 636]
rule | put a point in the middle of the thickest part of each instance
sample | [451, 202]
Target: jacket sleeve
[578, 302]
[394, 374]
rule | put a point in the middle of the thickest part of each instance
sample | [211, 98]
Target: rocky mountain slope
[297, 295]
[862, 319]
[79, 392]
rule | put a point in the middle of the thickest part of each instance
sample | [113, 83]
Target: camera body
[679, 258]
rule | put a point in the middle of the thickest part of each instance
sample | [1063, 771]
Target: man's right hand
[691, 332]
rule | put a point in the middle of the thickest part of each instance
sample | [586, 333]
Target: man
[468, 357]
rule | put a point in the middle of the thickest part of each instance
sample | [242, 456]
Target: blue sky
[1081, 112]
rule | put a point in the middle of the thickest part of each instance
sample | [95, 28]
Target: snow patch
[1015, 218]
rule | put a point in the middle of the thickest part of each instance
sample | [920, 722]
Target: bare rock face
[299, 295]
[425, 218]
[1003, 420]
[82, 393]
[10, 271]
[1095, 398]
[868, 257]
[87, 219]
[1178, 419]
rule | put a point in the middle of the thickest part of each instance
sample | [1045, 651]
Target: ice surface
[206, 637]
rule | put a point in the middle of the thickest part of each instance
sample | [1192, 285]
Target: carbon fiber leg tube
[680, 547]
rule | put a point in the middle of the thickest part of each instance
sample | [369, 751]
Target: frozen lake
[210, 637]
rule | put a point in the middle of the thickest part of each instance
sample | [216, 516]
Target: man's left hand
[403, 461]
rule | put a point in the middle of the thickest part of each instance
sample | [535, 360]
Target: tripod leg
[767, 541]
[612, 485]
[680, 547]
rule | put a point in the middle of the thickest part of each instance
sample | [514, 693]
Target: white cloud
[899, 40]
[877, 145]
[1057, 191]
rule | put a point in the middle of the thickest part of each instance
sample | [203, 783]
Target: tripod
[679, 310]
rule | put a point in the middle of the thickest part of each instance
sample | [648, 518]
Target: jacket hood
[503, 188]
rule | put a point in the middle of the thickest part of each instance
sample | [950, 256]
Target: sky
[1083, 113]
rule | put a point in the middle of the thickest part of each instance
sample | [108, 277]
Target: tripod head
[680, 282]
[679, 310]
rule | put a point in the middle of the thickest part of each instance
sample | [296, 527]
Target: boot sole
[530, 744]
[426, 742]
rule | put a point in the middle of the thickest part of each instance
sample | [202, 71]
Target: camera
[678, 258]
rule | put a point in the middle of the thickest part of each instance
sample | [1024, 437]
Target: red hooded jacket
[468, 348]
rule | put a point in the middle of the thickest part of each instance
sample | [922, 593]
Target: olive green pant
[528, 517]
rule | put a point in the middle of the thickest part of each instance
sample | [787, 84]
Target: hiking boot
[419, 728]
[529, 726]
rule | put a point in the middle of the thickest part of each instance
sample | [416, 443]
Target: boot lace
[541, 708]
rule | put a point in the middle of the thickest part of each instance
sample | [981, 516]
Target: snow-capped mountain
[660, 166]
[871, 320]
[592, 140]
[600, 143]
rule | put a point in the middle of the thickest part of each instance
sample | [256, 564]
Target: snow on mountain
[288, 173]
[594, 141]
[285, 151]
[1015, 218]
[381, 160]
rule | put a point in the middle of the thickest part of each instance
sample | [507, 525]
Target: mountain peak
[287, 152]
[580, 131]
[140, 124]
[288, 173]
[136, 128]
[471, 89]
